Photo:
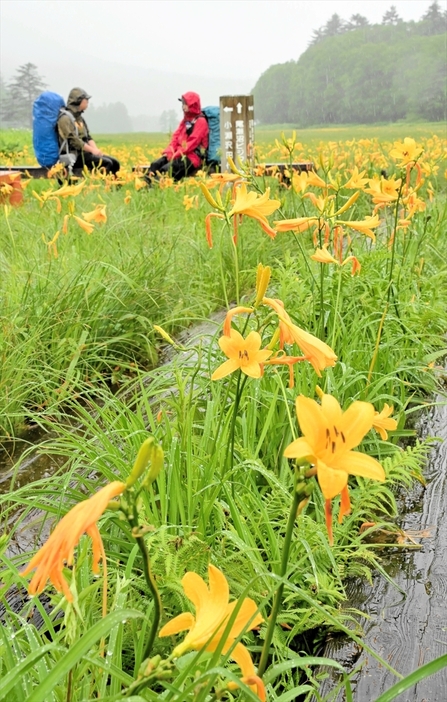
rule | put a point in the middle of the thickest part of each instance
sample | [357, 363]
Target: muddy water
[21, 462]
[408, 625]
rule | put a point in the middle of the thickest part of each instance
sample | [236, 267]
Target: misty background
[137, 57]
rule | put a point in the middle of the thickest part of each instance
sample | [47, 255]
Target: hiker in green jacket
[75, 138]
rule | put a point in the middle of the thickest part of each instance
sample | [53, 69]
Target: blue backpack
[46, 109]
[212, 115]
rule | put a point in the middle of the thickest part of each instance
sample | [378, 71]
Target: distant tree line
[17, 98]
[355, 72]
[434, 21]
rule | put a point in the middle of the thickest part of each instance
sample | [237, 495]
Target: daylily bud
[156, 465]
[300, 487]
[114, 505]
[145, 454]
[164, 334]
[274, 339]
[348, 204]
[208, 197]
[233, 167]
[263, 274]
[301, 506]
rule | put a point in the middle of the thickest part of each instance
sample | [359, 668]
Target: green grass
[80, 360]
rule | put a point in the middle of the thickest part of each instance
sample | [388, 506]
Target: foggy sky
[145, 53]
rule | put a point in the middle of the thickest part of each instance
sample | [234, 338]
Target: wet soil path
[408, 628]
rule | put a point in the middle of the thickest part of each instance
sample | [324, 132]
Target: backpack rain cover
[45, 139]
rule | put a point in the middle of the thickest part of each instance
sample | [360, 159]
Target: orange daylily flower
[86, 226]
[212, 612]
[221, 179]
[323, 256]
[256, 206]
[245, 354]
[283, 360]
[58, 550]
[321, 203]
[383, 423]
[319, 354]
[299, 224]
[328, 437]
[230, 314]
[190, 202]
[97, 215]
[52, 246]
[209, 234]
[315, 180]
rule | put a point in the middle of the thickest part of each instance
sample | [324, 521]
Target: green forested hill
[371, 74]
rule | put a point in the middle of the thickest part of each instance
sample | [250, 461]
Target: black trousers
[178, 168]
[110, 164]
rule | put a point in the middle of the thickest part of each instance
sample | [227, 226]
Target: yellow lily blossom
[256, 206]
[299, 224]
[323, 256]
[140, 183]
[316, 181]
[300, 181]
[364, 226]
[383, 423]
[68, 190]
[243, 354]
[356, 180]
[383, 191]
[190, 202]
[212, 613]
[406, 151]
[328, 437]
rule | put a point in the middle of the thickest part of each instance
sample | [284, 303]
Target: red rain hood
[193, 102]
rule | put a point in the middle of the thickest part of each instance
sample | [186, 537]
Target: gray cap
[77, 95]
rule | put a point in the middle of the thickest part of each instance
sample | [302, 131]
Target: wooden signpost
[237, 129]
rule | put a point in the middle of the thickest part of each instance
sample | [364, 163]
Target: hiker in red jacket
[185, 153]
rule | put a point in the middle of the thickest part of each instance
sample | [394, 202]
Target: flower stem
[230, 445]
[132, 518]
[277, 602]
[337, 301]
[236, 268]
[155, 594]
[393, 245]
